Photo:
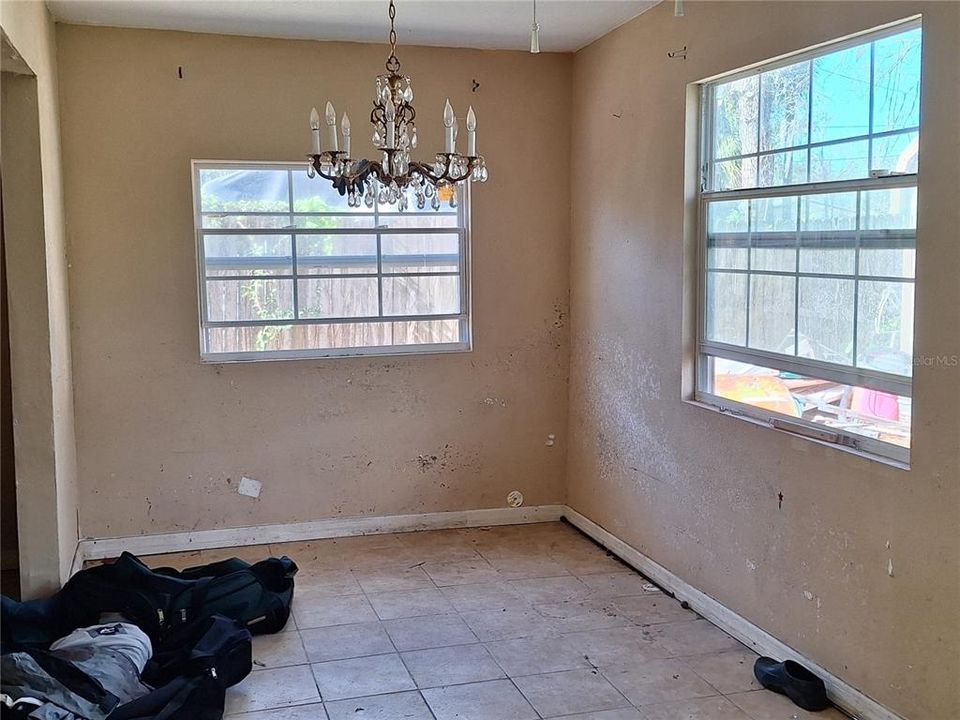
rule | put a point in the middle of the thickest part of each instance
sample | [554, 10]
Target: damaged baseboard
[98, 548]
[843, 695]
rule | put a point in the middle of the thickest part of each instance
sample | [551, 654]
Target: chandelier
[388, 179]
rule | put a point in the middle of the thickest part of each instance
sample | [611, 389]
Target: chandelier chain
[393, 63]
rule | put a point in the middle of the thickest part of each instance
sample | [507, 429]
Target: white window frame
[707, 349]
[465, 342]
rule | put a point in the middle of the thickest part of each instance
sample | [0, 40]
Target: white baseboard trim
[98, 548]
[846, 697]
[78, 559]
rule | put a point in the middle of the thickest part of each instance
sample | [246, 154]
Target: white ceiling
[565, 25]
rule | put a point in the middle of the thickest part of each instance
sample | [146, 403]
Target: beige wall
[39, 311]
[162, 439]
[698, 491]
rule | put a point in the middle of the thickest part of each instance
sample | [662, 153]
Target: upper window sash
[805, 143]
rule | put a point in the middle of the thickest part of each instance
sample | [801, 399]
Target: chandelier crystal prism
[389, 179]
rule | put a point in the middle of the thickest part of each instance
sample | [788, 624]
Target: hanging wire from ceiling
[535, 32]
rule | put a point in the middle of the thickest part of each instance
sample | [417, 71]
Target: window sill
[768, 424]
[356, 353]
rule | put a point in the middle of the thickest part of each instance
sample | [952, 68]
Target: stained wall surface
[163, 440]
[698, 491]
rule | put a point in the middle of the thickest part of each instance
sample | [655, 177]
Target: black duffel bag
[257, 596]
[159, 602]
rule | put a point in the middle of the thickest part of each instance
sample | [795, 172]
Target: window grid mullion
[774, 273]
[293, 248]
[809, 152]
[376, 224]
[796, 288]
[854, 360]
[821, 143]
[746, 341]
[870, 111]
[756, 160]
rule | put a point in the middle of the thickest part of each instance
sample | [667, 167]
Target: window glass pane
[888, 262]
[336, 254]
[331, 336]
[735, 174]
[885, 326]
[889, 209]
[772, 300]
[338, 297]
[254, 299]
[896, 153]
[783, 168]
[846, 408]
[424, 295]
[243, 222]
[896, 82]
[407, 220]
[318, 195]
[727, 225]
[243, 190]
[728, 216]
[889, 238]
[419, 332]
[841, 94]
[777, 214]
[726, 307]
[825, 317]
[774, 234]
[828, 212]
[828, 233]
[784, 106]
[420, 253]
[735, 117]
[338, 222]
[247, 255]
[843, 161]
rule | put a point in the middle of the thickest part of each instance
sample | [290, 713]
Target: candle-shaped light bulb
[315, 130]
[389, 115]
[345, 129]
[331, 127]
[471, 133]
[448, 120]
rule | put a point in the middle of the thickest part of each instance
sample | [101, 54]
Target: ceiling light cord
[535, 32]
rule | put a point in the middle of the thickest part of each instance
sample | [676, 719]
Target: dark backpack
[160, 601]
[191, 670]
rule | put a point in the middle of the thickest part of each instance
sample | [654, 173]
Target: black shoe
[793, 680]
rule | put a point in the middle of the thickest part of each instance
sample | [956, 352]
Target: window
[288, 270]
[808, 210]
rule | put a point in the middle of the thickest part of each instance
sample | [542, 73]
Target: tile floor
[503, 623]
